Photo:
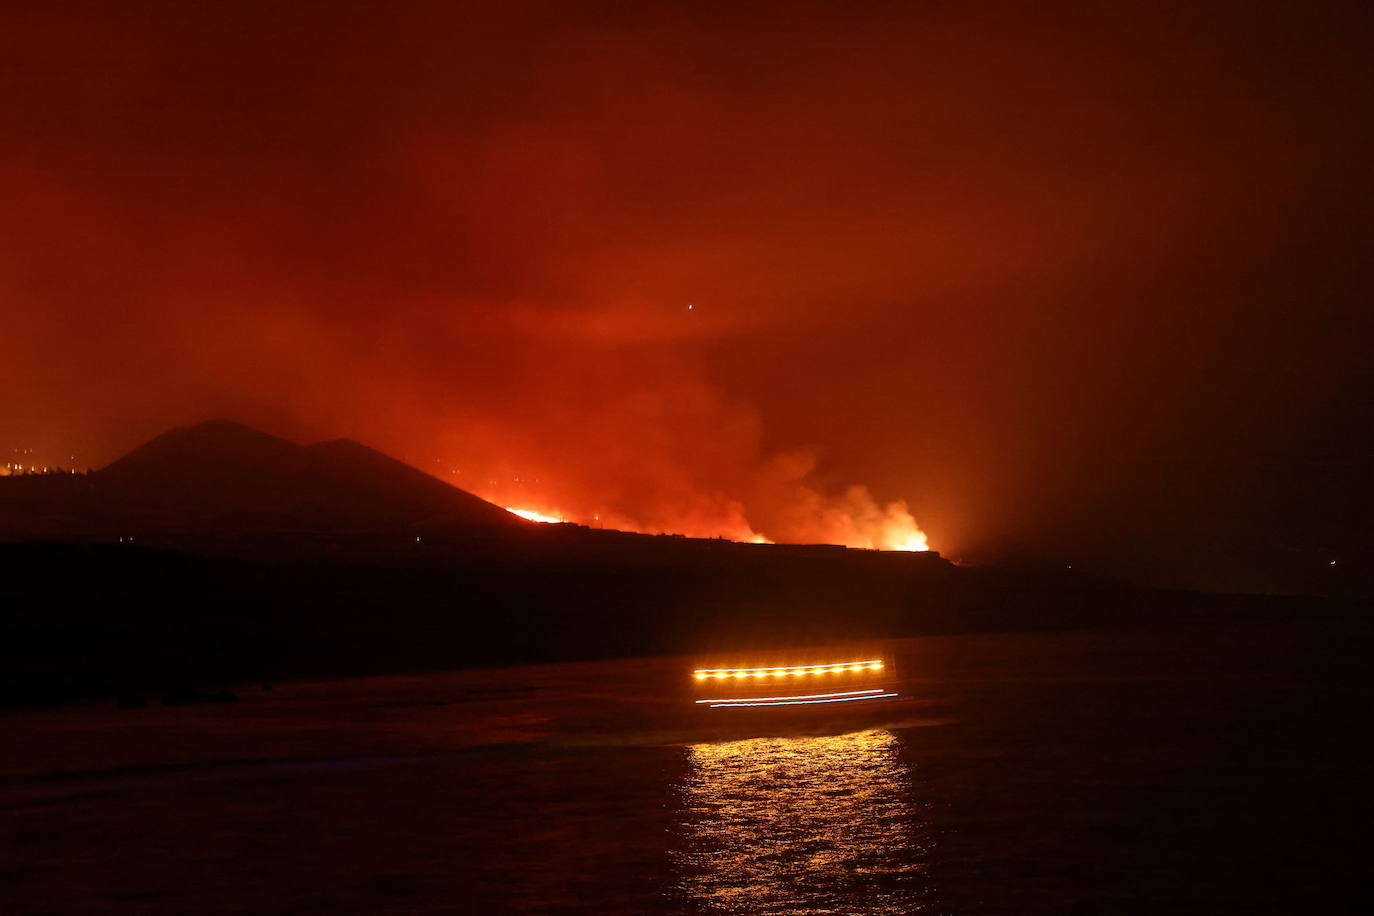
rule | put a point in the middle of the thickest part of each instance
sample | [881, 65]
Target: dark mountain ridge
[224, 477]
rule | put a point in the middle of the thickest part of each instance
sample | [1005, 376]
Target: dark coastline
[101, 619]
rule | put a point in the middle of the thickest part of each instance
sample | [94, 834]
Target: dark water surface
[1198, 770]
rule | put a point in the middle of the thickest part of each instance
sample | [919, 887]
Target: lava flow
[534, 516]
[915, 542]
[899, 533]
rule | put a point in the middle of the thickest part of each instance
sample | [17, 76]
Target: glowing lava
[534, 516]
[867, 528]
[916, 541]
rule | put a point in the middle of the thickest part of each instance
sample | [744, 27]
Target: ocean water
[1190, 770]
[802, 825]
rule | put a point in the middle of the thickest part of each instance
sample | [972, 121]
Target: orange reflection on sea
[802, 825]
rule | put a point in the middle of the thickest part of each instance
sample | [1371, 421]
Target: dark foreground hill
[110, 619]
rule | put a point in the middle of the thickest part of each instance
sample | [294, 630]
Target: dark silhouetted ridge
[379, 484]
[213, 463]
[227, 478]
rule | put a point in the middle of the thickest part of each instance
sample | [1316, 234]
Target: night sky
[1074, 279]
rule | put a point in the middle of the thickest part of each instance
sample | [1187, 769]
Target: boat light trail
[875, 696]
[872, 664]
[805, 696]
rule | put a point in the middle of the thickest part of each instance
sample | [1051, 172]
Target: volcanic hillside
[226, 477]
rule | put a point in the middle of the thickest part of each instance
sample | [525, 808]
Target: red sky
[1060, 275]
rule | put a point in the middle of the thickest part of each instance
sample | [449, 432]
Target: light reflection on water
[802, 825]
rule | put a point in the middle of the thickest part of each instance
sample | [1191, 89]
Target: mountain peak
[220, 472]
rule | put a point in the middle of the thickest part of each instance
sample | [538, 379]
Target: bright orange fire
[900, 532]
[853, 520]
[915, 541]
[534, 516]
